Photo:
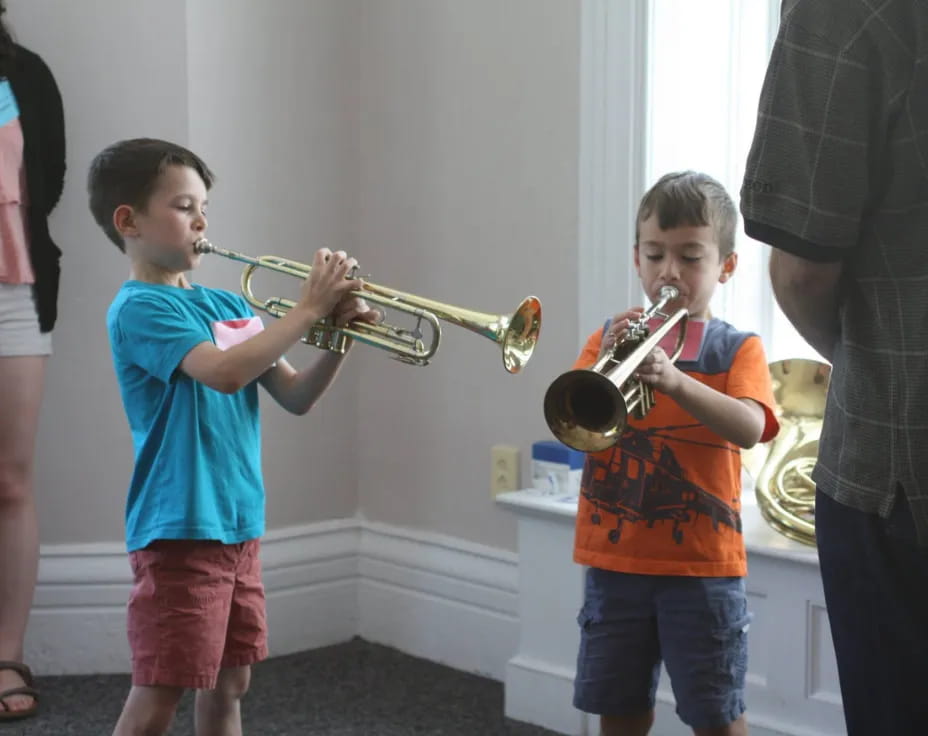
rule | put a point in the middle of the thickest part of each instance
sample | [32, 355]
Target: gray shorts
[696, 626]
[19, 323]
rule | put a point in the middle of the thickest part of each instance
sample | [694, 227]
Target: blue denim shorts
[697, 626]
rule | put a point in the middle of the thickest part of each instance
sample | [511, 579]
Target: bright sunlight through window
[706, 64]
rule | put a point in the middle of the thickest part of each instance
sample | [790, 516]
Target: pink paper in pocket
[235, 331]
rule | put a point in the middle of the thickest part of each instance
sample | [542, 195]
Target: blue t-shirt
[197, 468]
[9, 110]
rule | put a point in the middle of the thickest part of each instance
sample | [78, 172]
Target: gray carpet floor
[351, 688]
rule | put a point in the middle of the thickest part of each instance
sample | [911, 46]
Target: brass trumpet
[588, 409]
[782, 468]
[516, 334]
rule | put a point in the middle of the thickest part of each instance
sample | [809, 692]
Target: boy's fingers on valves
[619, 324]
[337, 264]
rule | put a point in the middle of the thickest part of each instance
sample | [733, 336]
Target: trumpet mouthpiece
[202, 246]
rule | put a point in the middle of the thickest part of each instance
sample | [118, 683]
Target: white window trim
[613, 147]
[612, 128]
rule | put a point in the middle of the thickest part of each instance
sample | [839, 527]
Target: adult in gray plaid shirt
[837, 183]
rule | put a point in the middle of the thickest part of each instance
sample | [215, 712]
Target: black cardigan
[42, 118]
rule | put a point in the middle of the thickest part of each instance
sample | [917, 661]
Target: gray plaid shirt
[839, 171]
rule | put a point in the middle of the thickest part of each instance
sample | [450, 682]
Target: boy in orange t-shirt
[659, 521]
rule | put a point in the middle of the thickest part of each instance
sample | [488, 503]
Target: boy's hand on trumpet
[328, 283]
[353, 307]
[658, 371]
[618, 328]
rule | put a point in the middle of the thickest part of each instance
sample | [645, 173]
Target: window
[704, 70]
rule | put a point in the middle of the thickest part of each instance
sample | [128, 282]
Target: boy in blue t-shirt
[188, 360]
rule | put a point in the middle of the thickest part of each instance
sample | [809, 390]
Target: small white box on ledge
[556, 468]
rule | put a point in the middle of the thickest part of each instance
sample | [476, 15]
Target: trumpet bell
[521, 335]
[585, 410]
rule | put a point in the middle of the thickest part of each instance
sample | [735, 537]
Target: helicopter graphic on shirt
[643, 482]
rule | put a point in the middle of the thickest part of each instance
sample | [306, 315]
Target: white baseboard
[435, 597]
[540, 693]
[668, 723]
[439, 598]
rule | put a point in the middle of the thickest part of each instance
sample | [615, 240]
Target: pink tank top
[15, 266]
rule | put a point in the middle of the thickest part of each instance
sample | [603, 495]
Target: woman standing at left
[32, 163]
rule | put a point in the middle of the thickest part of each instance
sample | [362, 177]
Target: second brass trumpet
[588, 409]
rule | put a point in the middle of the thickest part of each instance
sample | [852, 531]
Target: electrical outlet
[504, 469]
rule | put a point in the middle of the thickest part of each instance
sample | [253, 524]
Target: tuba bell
[782, 468]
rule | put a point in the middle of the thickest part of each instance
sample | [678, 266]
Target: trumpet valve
[325, 335]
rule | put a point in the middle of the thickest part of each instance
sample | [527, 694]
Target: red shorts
[196, 606]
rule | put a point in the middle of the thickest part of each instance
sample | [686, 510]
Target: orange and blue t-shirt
[666, 499]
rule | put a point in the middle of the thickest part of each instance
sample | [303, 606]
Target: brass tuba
[517, 334]
[588, 409]
[782, 468]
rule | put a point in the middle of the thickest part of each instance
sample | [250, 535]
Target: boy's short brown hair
[127, 172]
[693, 199]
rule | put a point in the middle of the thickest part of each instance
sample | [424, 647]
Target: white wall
[268, 101]
[438, 140]
[273, 109]
[469, 154]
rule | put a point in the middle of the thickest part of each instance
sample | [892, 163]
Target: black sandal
[14, 715]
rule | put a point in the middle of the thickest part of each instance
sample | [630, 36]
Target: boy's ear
[637, 262]
[729, 264]
[124, 221]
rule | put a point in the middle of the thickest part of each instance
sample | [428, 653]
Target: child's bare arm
[297, 391]
[230, 370]
[740, 421]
